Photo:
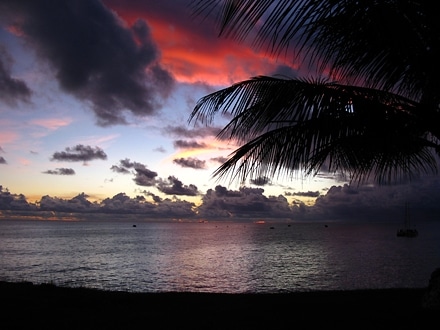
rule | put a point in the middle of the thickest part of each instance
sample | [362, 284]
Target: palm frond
[289, 150]
[288, 125]
[382, 121]
[390, 45]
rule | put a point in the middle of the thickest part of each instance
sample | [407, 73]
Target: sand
[46, 306]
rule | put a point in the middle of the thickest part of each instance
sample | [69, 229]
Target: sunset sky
[95, 98]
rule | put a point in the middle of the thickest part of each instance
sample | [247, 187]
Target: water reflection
[213, 257]
[201, 257]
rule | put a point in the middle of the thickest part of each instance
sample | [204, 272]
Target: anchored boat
[407, 230]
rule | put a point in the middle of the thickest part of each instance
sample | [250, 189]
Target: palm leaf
[390, 45]
[288, 125]
[382, 121]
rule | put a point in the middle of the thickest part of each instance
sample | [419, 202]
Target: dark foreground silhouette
[49, 307]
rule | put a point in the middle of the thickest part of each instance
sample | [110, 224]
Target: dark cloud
[219, 160]
[221, 191]
[95, 56]
[61, 171]
[78, 203]
[261, 181]
[142, 170]
[119, 169]
[182, 144]
[10, 201]
[372, 203]
[81, 200]
[79, 153]
[119, 203]
[2, 160]
[179, 131]
[285, 71]
[167, 208]
[125, 165]
[191, 163]
[340, 203]
[304, 194]
[160, 149]
[244, 203]
[176, 208]
[156, 199]
[11, 89]
[143, 176]
[173, 186]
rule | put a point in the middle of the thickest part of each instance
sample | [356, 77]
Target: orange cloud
[192, 56]
[216, 62]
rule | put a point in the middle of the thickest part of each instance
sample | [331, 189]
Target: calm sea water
[217, 257]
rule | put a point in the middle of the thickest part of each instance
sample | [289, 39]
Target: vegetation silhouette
[368, 110]
[371, 112]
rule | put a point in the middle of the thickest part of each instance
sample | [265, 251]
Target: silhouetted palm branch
[382, 121]
[386, 44]
[288, 125]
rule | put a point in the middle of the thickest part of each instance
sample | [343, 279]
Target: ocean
[217, 256]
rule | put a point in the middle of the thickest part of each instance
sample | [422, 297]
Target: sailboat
[407, 231]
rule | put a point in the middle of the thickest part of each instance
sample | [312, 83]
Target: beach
[51, 307]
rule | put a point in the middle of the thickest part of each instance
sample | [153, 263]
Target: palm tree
[371, 111]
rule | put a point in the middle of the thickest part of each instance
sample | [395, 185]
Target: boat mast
[407, 218]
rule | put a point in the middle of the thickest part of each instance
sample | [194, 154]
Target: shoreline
[49, 306]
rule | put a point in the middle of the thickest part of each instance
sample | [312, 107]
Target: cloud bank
[340, 203]
[12, 89]
[94, 55]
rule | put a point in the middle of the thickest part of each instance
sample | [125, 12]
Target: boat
[407, 231]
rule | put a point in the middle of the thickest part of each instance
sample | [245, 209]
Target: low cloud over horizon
[340, 203]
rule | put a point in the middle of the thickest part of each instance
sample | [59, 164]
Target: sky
[95, 98]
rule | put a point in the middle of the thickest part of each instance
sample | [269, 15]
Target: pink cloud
[52, 123]
[7, 137]
[190, 48]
